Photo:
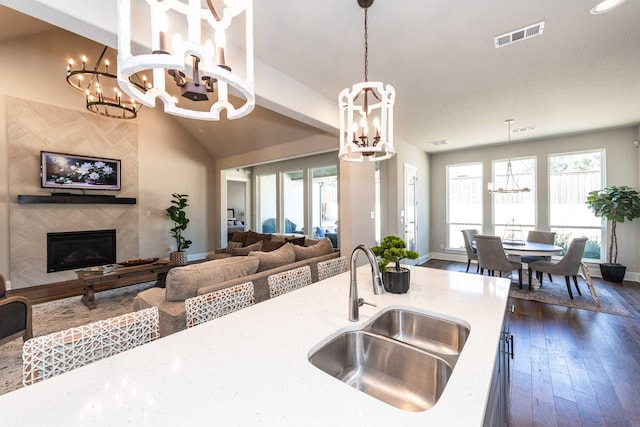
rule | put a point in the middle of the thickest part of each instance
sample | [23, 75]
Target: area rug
[63, 314]
[556, 293]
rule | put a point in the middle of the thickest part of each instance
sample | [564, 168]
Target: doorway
[410, 206]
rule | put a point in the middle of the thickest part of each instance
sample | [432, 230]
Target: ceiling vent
[518, 35]
[525, 129]
[441, 142]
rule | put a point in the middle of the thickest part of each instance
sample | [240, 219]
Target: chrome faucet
[354, 301]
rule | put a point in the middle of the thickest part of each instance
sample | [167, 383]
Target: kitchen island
[251, 367]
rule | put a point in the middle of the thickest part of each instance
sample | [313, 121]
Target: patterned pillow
[232, 245]
[245, 250]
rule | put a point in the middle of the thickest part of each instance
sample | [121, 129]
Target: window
[515, 209]
[267, 203]
[571, 177]
[293, 197]
[464, 195]
[324, 211]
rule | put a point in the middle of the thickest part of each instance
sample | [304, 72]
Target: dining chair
[202, 308]
[287, 281]
[50, 355]
[15, 316]
[538, 236]
[491, 257]
[568, 266]
[332, 267]
[471, 251]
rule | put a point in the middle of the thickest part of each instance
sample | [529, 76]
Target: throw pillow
[239, 236]
[257, 246]
[271, 245]
[253, 237]
[232, 245]
[296, 240]
[268, 260]
[184, 282]
[323, 247]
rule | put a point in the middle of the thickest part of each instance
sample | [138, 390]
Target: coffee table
[123, 276]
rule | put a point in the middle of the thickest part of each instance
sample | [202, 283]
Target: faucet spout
[376, 277]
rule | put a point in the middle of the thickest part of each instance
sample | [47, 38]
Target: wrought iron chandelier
[510, 186]
[101, 91]
[197, 67]
[370, 104]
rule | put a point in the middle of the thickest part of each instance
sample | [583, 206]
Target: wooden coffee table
[123, 276]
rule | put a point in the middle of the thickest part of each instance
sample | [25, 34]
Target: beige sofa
[198, 279]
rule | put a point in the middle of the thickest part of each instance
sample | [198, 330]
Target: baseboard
[594, 268]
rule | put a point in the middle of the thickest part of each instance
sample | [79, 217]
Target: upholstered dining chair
[15, 316]
[332, 267]
[491, 257]
[471, 251]
[568, 266]
[203, 308]
[287, 281]
[50, 355]
[538, 236]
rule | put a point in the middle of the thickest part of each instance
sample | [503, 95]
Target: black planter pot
[396, 282]
[613, 272]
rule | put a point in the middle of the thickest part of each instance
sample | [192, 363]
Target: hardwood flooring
[573, 367]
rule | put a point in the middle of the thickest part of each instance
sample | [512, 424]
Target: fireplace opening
[79, 249]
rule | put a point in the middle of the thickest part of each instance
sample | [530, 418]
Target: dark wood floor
[574, 367]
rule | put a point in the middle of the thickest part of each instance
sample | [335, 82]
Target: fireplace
[79, 249]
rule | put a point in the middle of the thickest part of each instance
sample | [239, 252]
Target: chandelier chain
[366, 46]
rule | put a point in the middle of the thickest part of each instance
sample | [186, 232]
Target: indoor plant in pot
[180, 221]
[615, 204]
[392, 250]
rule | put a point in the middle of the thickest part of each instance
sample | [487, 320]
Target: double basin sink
[400, 357]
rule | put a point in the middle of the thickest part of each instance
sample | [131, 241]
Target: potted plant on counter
[178, 215]
[392, 250]
[615, 204]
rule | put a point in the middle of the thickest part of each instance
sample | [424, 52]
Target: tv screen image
[67, 171]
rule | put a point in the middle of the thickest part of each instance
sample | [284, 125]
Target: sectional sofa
[219, 272]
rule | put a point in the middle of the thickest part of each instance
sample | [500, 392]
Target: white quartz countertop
[251, 368]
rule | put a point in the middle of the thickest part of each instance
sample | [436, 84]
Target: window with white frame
[464, 201]
[515, 210]
[571, 177]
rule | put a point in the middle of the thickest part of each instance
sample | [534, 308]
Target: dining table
[516, 250]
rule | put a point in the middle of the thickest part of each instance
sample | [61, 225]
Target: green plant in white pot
[178, 215]
[615, 204]
[392, 250]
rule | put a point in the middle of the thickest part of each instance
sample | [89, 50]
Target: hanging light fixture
[193, 65]
[369, 104]
[101, 91]
[510, 186]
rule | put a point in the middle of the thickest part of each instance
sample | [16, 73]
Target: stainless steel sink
[433, 334]
[393, 372]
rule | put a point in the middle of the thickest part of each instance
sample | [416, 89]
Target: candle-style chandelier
[510, 185]
[370, 104]
[195, 63]
[100, 88]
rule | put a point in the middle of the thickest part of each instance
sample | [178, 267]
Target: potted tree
[392, 250]
[615, 204]
[180, 221]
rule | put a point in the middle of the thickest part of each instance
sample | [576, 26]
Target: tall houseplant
[615, 204]
[392, 250]
[178, 215]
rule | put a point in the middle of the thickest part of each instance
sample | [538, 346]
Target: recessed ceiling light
[605, 6]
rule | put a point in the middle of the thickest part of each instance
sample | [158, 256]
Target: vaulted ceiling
[452, 84]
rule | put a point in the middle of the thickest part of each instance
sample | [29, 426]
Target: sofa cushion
[323, 247]
[232, 245]
[239, 236]
[183, 282]
[273, 259]
[296, 240]
[271, 245]
[253, 237]
[257, 246]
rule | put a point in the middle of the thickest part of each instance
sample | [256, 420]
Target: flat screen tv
[66, 171]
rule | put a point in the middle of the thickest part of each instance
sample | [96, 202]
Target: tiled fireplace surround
[33, 127]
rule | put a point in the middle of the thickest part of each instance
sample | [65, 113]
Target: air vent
[441, 142]
[520, 34]
[525, 129]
